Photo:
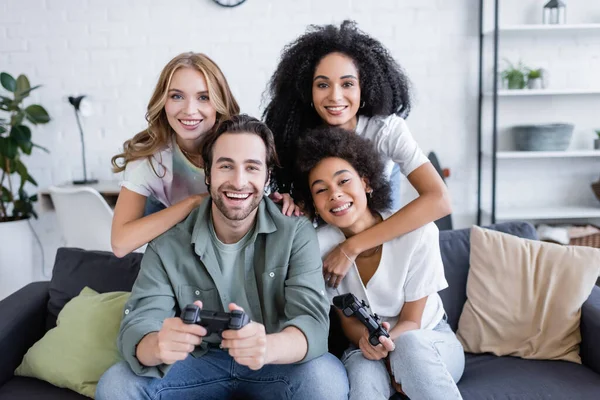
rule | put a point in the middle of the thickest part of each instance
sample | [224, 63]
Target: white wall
[113, 51]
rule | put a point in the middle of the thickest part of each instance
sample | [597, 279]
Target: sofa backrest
[104, 272]
[100, 270]
[455, 247]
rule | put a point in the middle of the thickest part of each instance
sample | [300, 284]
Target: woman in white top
[163, 162]
[341, 181]
[339, 76]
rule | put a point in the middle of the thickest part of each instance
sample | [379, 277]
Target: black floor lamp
[76, 103]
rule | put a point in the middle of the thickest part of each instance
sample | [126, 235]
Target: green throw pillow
[82, 346]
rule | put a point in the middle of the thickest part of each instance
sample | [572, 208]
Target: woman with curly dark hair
[340, 76]
[340, 179]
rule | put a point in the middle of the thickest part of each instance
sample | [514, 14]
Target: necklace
[363, 255]
[195, 159]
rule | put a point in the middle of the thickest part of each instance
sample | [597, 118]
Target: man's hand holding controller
[248, 345]
[246, 341]
[177, 339]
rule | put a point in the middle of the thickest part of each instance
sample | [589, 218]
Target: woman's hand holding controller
[380, 351]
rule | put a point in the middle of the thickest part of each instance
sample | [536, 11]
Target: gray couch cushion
[509, 378]
[455, 248]
[100, 270]
[20, 388]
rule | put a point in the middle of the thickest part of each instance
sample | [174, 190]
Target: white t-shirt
[410, 269]
[393, 140]
[175, 179]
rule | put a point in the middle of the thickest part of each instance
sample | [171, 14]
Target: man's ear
[206, 180]
[268, 181]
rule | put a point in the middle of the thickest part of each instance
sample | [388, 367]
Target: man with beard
[237, 251]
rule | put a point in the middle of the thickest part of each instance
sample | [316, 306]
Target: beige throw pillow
[524, 297]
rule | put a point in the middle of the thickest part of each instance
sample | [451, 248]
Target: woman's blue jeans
[427, 363]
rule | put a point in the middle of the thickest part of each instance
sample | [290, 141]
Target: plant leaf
[8, 147]
[24, 174]
[26, 92]
[8, 82]
[16, 119]
[2, 129]
[41, 148]
[22, 85]
[33, 182]
[37, 114]
[6, 196]
[21, 134]
[26, 147]
[22, 170]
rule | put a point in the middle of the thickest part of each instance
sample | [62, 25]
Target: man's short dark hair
[240, 124]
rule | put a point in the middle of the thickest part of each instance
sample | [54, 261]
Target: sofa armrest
[22, 323]
[590, 331]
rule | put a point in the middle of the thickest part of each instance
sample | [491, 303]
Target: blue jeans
[427, 363]
[216, 375]
[395, 185]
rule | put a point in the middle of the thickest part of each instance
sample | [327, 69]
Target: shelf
[510, 155]
[567, 28]
[547, 213]
[543, 92]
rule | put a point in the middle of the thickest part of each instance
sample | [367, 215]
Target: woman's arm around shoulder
[432, 203]
[131, 230]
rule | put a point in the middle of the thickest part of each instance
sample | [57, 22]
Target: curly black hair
[385, 88]
[327, 141]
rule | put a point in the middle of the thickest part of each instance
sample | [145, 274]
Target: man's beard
[237, 213]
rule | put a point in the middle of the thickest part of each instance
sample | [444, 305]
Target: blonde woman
[163, 164]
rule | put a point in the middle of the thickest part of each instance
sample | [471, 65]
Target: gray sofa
[27, 314]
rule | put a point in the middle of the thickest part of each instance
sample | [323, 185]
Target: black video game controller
[351, 306]
[214, 321]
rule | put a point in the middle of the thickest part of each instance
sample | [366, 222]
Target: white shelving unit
[544, 92]
[572, 28]
[512, 155]
[547, 213]
[501, 161]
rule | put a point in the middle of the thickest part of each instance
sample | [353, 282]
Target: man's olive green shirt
[284, 288]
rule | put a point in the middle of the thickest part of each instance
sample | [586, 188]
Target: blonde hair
[159, 133]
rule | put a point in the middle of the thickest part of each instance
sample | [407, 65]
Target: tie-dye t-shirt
[170, 178]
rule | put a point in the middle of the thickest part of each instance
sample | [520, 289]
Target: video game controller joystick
[214, 321]
[351, 306]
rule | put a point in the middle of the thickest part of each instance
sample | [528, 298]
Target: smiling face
[336, 90]
[238, 175]
[188, 109]
[339, 194]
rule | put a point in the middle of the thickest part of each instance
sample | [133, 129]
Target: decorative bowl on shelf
[596, 189]
[545, 137]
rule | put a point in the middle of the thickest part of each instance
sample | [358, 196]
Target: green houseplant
[15, 141]
[514, 75]
[535, 78]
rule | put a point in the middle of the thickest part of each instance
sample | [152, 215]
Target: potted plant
[16, 205]
[597, 140]
[535, 78]
[514, 76]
